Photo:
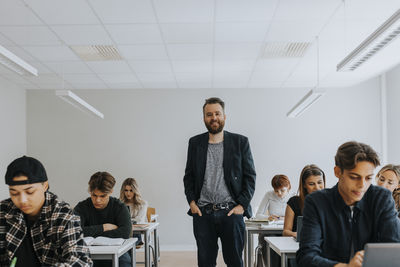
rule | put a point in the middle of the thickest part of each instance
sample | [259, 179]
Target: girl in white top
[273, 205]
[131, 196]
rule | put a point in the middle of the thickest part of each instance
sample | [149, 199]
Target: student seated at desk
[339, 221]
[312, 179]
[103, 215]
[389, 178]
[130, 195]
[272, 207]
[36, 227]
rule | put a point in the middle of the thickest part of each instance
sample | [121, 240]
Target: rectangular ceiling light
[78, 102]
[386, 33]
[309, 99]
[15, 63]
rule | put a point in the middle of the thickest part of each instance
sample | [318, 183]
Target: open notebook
[103, 241]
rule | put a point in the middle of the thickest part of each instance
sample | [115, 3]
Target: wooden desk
[285, 246]
[146, 231]
[257, 228]
[114, 252]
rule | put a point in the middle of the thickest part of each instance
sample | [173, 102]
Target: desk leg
[246, 233]
[268, 255]
[283, 260]
[156, 249]
[250, 250]
[115, 260]
[146, 249]
[133, 258]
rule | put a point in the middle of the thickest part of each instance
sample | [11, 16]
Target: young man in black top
[339, 221]
[36, 227]
[103, 215]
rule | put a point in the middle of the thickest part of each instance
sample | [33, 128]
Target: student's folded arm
[88, 230]
[74, 251]
[249, 175]
[389, 222]
[124, 224]
[310, 249]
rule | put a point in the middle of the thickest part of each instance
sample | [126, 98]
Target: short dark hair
[279, 181]
[214, 100]
[102, 181]
[350, 153]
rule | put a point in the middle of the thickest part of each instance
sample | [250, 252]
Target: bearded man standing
[219, 184]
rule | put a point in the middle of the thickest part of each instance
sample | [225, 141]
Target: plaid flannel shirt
[57, 234]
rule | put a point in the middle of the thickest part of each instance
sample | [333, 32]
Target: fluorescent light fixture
[386, 33]
[309, 99]
[15, 63]
[78, 102]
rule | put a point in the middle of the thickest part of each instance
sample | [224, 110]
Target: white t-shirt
[271, 204]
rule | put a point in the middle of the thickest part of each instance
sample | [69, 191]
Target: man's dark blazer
[239, 170]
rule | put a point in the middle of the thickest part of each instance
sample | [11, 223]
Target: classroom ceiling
[192, 43]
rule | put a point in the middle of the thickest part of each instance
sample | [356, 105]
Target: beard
[215, 130]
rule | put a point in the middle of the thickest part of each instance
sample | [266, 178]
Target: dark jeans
[139, 238]
[230, 229]
[124, 261]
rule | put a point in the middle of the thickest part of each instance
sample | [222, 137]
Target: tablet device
[381, 254]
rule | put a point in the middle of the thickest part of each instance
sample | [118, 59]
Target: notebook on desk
[381, 254]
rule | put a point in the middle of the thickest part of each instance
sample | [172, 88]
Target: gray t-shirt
[214, 190]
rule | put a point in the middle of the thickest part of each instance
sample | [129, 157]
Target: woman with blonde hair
[389, 178]
[131, 196]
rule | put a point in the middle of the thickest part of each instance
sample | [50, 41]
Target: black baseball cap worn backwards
[25, 166]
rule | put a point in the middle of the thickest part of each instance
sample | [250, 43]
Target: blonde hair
[137, 200]
[390, 167]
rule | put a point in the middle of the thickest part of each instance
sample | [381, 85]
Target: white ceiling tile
[143, 52]
[42, 69]
[124, 85]
[118, 77]
[151, 66]
[270, 76]
[294, 30]
[224, 85]
[276, 64]
[99, 85]
[298, 84]
[68, 67]
[14, 12]
[240, 10]
[109, 66]
[135, 34]
[51, 53]
[83, 34]
[63, 12]
[195, 85]
[188, 32]
[45, 78]
[190, 51]
[162, 85]
[81, 78]
[156, 77]
[306, 9]
[30, 35]
[124, 11]
[371, 9]
[194, 77]
[234, 65]
[55, 86]
[237, 51]
[242, 32]
[184, 11]
[263, 84]
[232, 77]
[192, 66]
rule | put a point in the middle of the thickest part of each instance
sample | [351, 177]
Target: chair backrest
[150, 211]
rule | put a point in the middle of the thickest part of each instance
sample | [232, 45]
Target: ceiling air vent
[287, 50]
[97, 52]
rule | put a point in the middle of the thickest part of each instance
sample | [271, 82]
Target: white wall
[393, 111]
[13, 128]
[145, 133]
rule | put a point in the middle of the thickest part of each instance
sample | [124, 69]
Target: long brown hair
[308, 170]
[137, 200]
